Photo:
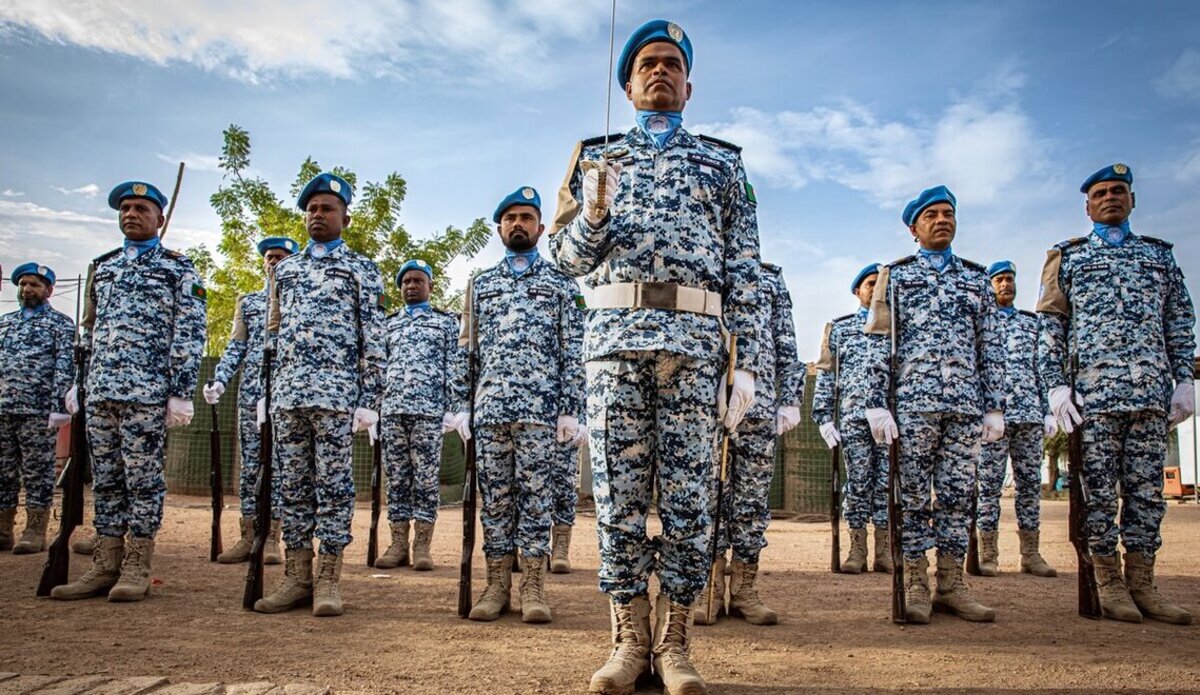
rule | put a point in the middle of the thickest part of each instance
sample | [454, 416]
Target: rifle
[74, 477]
[895, 499]
[1089, 593]
[262, 491]
[216, 484]
[376, 480]
[714, 552]
[973, 536]
[835, 478]
[469, 476]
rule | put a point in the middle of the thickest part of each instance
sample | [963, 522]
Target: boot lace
[532, 586]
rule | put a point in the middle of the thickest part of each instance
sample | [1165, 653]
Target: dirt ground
[400, 632]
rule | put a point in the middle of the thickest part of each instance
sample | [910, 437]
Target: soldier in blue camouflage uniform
[1026, 422]
[245, 351]
[425, 396]
[144, 319]
[327, 318]
[668, 247]
[1117, 300]
[857, 354]
[36, 370]
[950, 391]
[563, 479]
[528, 328]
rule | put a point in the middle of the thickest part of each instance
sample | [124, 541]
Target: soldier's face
[934, 228]
[658, 81]
[415, 287]
[272, 257]
[1004, 286]
[521, 227]
[325, 217]
[33, 291]
[139, 219]
[1109, 202]
[865, 289]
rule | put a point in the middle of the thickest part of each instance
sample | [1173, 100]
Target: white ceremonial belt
[654, 295]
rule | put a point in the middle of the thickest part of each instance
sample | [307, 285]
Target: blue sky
[845, 111]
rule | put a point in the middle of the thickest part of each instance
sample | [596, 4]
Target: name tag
[339, 273]
[158, 274]
[541, 292]
[1094, 267]
[1152, 265]
[705, 160]
[967, 286]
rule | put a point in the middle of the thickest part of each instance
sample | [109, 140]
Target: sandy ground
[400, 632]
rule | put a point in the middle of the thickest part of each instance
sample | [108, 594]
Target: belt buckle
[657, 295]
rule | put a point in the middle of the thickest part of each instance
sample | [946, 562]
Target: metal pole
[1195, 458]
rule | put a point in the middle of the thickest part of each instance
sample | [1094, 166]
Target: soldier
[776, 410]
[425, 397]
[245, 351]
[950, 390]
[328, 306]
[35, 374]
[1026, 422]
[144, 319]
[1117, 301]
[866, 489]
[529, 393]
[562, 514]
[669, 250]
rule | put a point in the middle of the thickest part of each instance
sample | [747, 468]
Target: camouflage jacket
[245, 347]
[779, 371]
[37, 362]
[427, 369]
[858, 355]
[1024, 397]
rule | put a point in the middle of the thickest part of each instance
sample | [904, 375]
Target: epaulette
[1064, 245]
[771, 267]
[720, 143]
[105, 256]
[902, 261]
[172, 253]
[973, 265]
[599, 139]
[1027, 313]
[843, 318]
[1153, 240]
[451, 314]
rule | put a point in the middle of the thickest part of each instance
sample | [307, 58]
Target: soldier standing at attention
[670, 255]
[245, 351]
[857, 355]
[528, 326]
[144, 319]
[949, 392]
[1027, 420]
[328, 308]
[562, 515]
[425, 397]
[36, 372]
[1118, 302]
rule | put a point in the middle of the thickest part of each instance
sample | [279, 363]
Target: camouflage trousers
[653, 427]
[412, 456]
[128, 487]
[26, 455]
[515, 462]
[250, 443]
[1129, 449]
[938, 452]
[745, 507]
[563, 481]
[866, 490]
[1022, 443]
[315, 448]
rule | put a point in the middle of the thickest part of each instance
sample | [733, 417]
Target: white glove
[580, 436]
[179, 411]
[373, 433]
[1051, 425]
[448, 422]
[993, 426]
[1183, 404]
[883, 425]
[213, 391]
[462, 423]
[1063, 409]
[591, 182]
[260, 412]
[364, 418]
[71, 400]
[786, 418]
[566, 428]
[830, 434]
[743, 398]
[57, 420]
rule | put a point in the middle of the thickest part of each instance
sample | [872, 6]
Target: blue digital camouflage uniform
[529, 331]
[951, 362]
[36, 370]
[1128, 313]
[685, 215]
[331, 358]
[858, 354]
[144, 318]
[1025, 409]
[563, 482]
[426, 378]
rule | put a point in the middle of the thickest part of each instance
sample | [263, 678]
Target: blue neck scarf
[30, 313]
[320, 249]
[940, 260]
[134, 249]
[1113, 236]
[659, 125]
[520, 261]
[862, 311]
[1008, 310]
[420, 307]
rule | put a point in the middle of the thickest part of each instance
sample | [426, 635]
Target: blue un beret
[325, 183]
[32, 269]
[136, 189]
[1114, 172]
[414, 264]
[650, 32]
[277, 242]
[929, 196]
[863, 275]
[1001, 267]
[525, 195]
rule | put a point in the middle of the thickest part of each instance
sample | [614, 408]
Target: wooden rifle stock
[216, 485]
[376, 494]
[469, 476]
[714, 551]
[835, 478]
[262, 493]
[895, 498]
[1089, 592]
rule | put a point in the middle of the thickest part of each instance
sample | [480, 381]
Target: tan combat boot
[422, 540]
[1032, 561]
[396, 554]
[33, 538]
[534, 608]
[296, 588]
[883, 551]
[701, 616]
[954, 597]
[494, 601]
[271, 554]
[84, 541]
[856, 561]
[560, 552]
[743, 596]
[989, 553]
[327, 598]
[916, 591]
[672, 625]
[240, 552]
[134, 584]
[1139, 575]
[8, 519]
[1115, 602]
[100, 577]
[629, 660]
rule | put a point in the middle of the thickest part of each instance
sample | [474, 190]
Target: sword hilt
[601, 209]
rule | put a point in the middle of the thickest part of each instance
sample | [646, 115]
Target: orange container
[1173, 484]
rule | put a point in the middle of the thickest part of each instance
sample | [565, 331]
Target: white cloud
[88, 191]
[1182, 79]
[1189, 167]
[193, 161]
[10, 193]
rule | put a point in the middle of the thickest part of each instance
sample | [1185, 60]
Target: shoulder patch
[843, 318]
[719, 143]
[1063, 245]
[972, 264]
[902, 261]
[599, 139]
[106, 255]
[1154, 240]
[198, 292]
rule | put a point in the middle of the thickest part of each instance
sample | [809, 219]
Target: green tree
[250, 211]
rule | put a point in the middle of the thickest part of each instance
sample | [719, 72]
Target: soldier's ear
[688, 89]
[629, 90]
[345, 220]
[161, 220]
[1132, 200]
[913, 228]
